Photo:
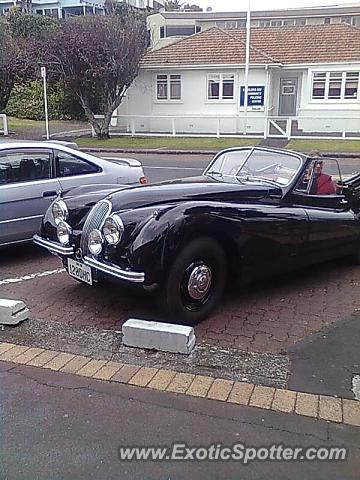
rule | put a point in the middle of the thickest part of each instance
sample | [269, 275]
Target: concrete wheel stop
[166, 337]
[13, 312]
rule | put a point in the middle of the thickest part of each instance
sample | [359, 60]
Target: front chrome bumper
[53, 247]
[108, 268]
[115, 271]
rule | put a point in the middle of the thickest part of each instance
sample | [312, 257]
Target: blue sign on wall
[256, 97]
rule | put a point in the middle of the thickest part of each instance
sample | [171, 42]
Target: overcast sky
[240, 5]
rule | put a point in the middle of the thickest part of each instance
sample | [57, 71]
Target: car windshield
[252, 165]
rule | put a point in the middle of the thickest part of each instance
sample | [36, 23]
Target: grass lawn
[325, 145]
[177, 143]
[15, 124]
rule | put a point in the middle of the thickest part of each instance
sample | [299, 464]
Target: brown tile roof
[286, 45]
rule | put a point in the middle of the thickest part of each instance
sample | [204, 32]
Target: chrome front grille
[95, 220]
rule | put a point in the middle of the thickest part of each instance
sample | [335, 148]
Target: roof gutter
[163, 66]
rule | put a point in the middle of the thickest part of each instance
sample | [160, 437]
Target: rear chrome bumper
[108, 268]
[53, 247]
[115, 271]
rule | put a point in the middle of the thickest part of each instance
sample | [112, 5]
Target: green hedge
[27, 101]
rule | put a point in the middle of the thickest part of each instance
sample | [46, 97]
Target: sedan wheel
[195, 282]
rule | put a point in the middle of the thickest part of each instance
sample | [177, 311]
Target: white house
[68, 8]
[167, 27]
[303, 80]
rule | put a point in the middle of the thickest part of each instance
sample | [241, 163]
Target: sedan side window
[24, 165]
[69, 165]
[321, 177]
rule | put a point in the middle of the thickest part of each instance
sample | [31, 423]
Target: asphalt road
[160, 167]
[62, 427]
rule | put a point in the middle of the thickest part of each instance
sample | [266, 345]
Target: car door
[72, 170]
[27, 188]
[271, 233]
[333, 224]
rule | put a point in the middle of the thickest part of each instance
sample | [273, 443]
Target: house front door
[288, 96]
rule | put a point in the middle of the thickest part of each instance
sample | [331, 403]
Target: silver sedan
[33, 173]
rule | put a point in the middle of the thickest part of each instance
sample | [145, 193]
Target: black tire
[194, 262]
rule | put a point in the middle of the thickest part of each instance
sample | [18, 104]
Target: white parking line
[31, 276]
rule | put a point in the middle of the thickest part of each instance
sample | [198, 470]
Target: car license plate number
[80, 271]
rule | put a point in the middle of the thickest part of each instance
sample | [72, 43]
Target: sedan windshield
[265, 166]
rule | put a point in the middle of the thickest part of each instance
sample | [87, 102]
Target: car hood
[202, 188]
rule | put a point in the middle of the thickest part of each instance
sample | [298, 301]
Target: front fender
[165, 233]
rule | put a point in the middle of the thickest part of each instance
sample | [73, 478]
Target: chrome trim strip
[53, 247]
[114, 270]
[21, 219]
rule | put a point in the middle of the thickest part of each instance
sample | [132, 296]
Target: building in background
[303, 80]
[66, 8]
[167, 27]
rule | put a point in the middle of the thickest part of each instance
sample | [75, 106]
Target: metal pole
[247, 62]
[43, 74]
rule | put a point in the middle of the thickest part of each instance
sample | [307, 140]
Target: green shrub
[27, 101]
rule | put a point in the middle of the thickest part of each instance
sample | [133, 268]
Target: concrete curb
[321, 407]
[195, 152]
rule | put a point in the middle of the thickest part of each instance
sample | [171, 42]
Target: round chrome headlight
[59, 211]
[113, 229]
[63, 232]
[95, 242]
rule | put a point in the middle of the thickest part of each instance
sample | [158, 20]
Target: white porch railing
[235, 126]
[3, 124]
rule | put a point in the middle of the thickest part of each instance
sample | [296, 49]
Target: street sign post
[43, 76]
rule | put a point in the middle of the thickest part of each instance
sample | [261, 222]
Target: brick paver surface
[270, 316]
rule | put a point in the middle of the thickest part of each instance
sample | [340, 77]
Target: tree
[33, 27]
[191, 8]
[179, 5]
[97, 58]
[171, 5]
[22, 37]
[13, 63]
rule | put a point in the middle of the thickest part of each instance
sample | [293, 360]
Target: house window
[319, 83]
[178, 31]
[221, 86]
[264, 23]
[276, 23]
[214, 86]
[335, 81]
[235, 24]
[168, 87]
[289, 23]
[300, 22]
[327, 20]
[335, 85]
[351, 84]
[348, 20]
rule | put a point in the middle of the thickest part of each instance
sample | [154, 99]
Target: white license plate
[80, 271]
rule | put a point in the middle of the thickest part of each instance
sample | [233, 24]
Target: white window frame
[169, 79]
[326, 98]
[222, 80]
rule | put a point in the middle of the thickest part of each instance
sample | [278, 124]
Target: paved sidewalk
[322, 407]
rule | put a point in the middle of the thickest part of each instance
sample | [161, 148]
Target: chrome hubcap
[199, 282]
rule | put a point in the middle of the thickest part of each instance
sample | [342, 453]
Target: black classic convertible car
[254, 211]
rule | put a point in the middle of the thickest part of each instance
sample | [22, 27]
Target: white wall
[141, 100]
[324, 111]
